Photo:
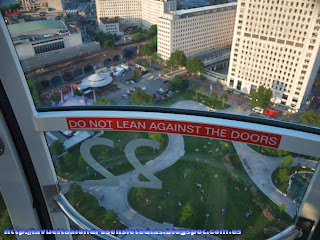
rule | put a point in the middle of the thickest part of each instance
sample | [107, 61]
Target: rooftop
[201, 9]
[23, 28]
[59, 55]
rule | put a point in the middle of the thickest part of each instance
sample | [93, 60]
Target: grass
[88, 206]
[113, 159]
[191, 95]
[271, 152]
[220, 192]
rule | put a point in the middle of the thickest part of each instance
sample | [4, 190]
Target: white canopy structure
[95, 81]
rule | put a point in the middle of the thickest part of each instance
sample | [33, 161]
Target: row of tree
[178, 59]
[105, 40]
[140, 34]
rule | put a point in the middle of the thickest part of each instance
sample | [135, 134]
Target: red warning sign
[178, 127]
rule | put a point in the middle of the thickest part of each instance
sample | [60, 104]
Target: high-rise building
[43, 5]
[142, 13]
[276, 44]
[198, 31]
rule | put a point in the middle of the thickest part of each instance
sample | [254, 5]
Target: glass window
[154, 177]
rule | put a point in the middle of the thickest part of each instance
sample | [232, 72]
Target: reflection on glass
[5, 221]
[180, 181]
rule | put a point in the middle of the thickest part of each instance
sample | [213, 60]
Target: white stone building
[197, 31]
[142, 13]
[276, 44]
[110, 27]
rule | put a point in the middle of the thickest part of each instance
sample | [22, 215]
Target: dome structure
[95, 81]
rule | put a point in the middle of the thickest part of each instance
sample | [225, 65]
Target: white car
[143, 88]
[161, 90]
[125, 96]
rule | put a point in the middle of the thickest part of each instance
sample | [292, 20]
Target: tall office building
[142, 13]
[276, 44]
[43, 5]
[198, 32]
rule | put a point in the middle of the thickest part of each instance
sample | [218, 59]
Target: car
[143, 88]
[132, 81]
[125, 96]
[161, 90]
[128, 92]
[127, 83]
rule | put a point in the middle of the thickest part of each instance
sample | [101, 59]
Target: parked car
[143, 88]
[125, 96]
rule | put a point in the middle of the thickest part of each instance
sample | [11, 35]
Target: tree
[57, 147]
[67, 160]
[6, 224]
[139, 97]
[146, 50]
[287, 161]
[261, 98]
[56, 98]
[186, 214]
[282, 207]
[152, 31]
[195, 66]
[137, 37]
[177, 59]
[154, 58]
[283, 175]
[310, 118]
[110, 215]
[179, 83]
[224, 98]
[202, 89]
[102, 101]
[134, 73]
[213, 96]
[108, 43]
[158, 137]
[153, 43]
[77, 92]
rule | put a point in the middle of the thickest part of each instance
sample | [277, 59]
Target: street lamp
[207, 215]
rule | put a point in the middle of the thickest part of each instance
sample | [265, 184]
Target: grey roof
[23, 28]
[200, 9]
[62, 54]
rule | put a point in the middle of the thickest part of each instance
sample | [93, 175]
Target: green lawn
[191, 95]
[114, 159]
[271, 152]
[88, 206]
[220, 192]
